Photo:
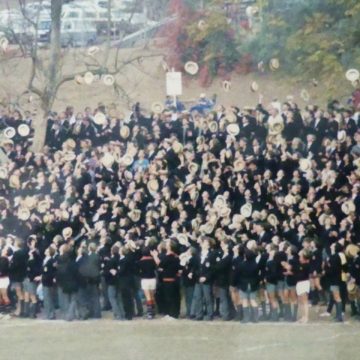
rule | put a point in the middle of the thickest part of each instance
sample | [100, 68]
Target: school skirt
[303, 287]
[148, 284]
[4, 282]
[30, 286]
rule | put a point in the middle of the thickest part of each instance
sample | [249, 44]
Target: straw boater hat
[30, 202]
[322, 218]
[157, 107]
[273, 220]
[341, 136]
[127, 160]
[7, 142]
[352, 250]
[352, 74]
[69, 156]
[177, 147]
[191, 67]
[213, 126]
[135, 215]
[238, 219]
[124, 131]
[207, 228]
[219, 202]
[239, 165]
[23, 214]
[226, 85]
[230, 116]
[89, 78]
[69, 144]
[254, 87]
[108, 160]
[233, 129]
[99, 118]
[23, 130]
[261, 66]
[194, 194]
[78, 79]
[246, 210]
[276, 127]
[193, 167]
[348, 207]
[274, 64]
[14, 181]
[43, 206]
[183, 239]
[289, 200]
[67, 233]
[108, 80]
[305, 95]
[202, 25]
[4, 43]
[3, 172]
[128, 175]
[153, 186]
[93, 50]
[225, 212]
[305, 164]
[9, 132]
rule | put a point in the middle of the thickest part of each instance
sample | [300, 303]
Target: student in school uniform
[222, 270]
[303, 284]
[33, 276]
[271, 279]
[112, 268]
[333, 269]
[169, 266]
[203, 293]
[48, 280]
[147, 271]
[249, 283]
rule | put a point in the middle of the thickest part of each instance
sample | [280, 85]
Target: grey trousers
[49, 294]
[224, 297]
[203, 299]
[104, 294]
[93, 294]
[70, 304]
[116, 302]
[82, 303]
[189, 296]
[61, 296]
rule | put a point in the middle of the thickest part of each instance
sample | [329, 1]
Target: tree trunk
[53, 76]
[40, 125]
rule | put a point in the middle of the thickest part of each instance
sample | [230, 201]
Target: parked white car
[78, 33]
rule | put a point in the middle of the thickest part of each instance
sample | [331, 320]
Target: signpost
[174, 84]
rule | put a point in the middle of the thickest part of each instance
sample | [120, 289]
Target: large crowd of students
[247, 214]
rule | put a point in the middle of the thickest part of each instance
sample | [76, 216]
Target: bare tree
[47, 73]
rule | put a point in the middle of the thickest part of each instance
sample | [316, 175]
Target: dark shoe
[26, 310]
[246, 317]
[274, 315]
[255, 314]
[339, 317]
[32, 311]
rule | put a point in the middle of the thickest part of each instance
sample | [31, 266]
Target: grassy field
[176, 340]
